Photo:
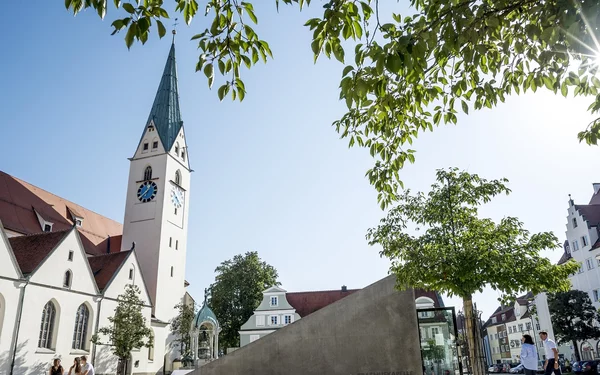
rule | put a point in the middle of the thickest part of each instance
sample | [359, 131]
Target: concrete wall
[371, 331]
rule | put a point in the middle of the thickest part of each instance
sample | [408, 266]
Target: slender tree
[181, 327]
[574, 318]
[237, 292]
[128, 329]
[437, 241]
[405, 73]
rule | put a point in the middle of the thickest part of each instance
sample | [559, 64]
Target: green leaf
[129, 8]
[161, 28]
[209, 73]
[252, 16]
[131, 34]
[465, 107]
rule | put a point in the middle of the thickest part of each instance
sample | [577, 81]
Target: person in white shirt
[551, 365]
[86, 367]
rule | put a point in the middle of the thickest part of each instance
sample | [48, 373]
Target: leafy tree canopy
[408, 75]
[128, 329]
[237, 292]
[458, 253]
[574, 318]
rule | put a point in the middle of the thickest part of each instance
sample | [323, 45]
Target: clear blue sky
[270, 174]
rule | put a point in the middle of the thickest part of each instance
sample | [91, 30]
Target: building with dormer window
[274, 312]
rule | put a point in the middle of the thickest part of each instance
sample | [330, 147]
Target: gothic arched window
[47, 326]
[67, 279]
[178, 178]
[176, 148]
[81, 325]
[183, 154]
[148, 173]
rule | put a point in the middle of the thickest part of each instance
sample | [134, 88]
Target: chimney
[344, 289]
[596, 186]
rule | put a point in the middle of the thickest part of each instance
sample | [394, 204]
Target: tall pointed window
[67, 279]
[81, 325]
[176, 148]
[178, 177]
[148, 173]
[183, 154]
[47, 326]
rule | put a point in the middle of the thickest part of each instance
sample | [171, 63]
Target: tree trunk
[473, 338]
[576, 349]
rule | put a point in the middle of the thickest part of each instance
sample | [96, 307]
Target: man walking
[551, 365]
[86, 368]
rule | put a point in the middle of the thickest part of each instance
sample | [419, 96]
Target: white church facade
[63, 266]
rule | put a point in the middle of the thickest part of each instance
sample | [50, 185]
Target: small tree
[181, 327]
[128, 329]
[237, 291]
[574, 318]
[458, 253]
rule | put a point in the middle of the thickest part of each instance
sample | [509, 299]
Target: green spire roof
[205, 315]
[165, 110]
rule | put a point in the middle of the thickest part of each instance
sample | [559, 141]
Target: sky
[270, 174]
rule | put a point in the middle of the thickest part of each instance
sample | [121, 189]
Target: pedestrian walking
[56, 368]
[529, 356]
[551, 365]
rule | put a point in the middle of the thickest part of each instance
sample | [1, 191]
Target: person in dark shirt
[56, 368]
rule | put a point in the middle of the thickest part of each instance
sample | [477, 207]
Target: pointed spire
[165, 110]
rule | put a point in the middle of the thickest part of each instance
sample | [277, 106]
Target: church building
[63, 266]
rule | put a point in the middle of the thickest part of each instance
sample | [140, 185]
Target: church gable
[179, 151]
[8, 263]
[150, 143]
[66, 266]
[127, 272]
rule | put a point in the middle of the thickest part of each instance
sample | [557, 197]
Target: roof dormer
[45, 223]
[76, 217]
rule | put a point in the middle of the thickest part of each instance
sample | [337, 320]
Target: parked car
[492, 368]
[517, 369]
[577, 367]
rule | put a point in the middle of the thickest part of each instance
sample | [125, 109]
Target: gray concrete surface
[371, 332]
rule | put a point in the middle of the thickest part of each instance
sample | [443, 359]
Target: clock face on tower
[147, 191]
[176, 197]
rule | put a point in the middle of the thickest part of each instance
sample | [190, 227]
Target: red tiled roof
[307, 303]
[105, 266]
[19, 199]
[31, 250]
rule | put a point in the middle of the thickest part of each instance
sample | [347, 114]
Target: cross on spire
[175, 29]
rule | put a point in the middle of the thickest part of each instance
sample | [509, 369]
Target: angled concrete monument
[372, 331]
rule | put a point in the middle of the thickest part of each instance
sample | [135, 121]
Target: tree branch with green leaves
[411, 74]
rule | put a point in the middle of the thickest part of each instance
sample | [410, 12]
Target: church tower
[157, 204]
